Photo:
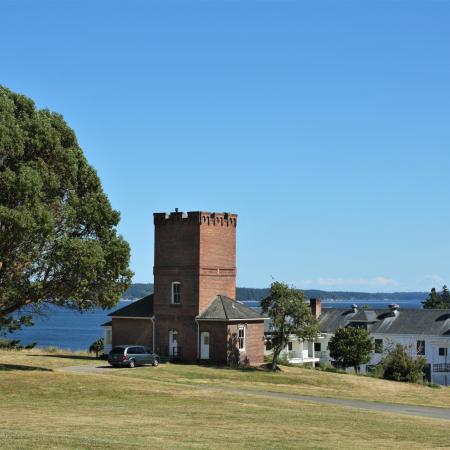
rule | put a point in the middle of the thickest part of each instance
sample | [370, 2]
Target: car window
[118, 350]
[136, 350]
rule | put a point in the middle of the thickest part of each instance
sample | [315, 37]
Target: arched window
[176, 292]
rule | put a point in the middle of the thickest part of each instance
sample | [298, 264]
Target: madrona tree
[58, 238]
[290, 315]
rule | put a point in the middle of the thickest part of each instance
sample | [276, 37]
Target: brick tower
[195, 260]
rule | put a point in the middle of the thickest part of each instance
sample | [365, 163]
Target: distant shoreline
[139, 290]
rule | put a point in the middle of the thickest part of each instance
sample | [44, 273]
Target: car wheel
[155, 362]
[132, 363]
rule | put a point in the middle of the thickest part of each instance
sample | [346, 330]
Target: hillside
[139, 290]
[46, 404]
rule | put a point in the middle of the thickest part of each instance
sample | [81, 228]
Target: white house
[422, 331]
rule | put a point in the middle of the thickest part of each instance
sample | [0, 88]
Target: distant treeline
[139, 290]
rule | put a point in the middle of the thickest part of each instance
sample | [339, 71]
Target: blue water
[76, 331]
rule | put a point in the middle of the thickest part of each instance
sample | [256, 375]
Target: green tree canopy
[437, 300]
[398, 365]
[351, 347]
[290, 315]
[58, 238]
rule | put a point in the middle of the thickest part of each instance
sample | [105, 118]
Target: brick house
[193, 315]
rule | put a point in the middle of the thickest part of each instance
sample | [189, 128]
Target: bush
[14, 344]
[398, 365]
[97, 347]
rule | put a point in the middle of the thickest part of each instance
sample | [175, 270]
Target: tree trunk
[356, 369]
[276, 355]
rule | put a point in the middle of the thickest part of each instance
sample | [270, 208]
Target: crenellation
[200, 217]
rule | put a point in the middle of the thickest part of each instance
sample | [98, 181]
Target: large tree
[351, 347]
[58, 238]
[437, 300]
[290, 315]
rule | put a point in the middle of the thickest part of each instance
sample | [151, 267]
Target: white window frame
[176, 283]
[241, 340]
[108, 336]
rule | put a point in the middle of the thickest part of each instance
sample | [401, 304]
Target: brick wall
[197, 249]
[254, 343]
[217, 340]
[132, 331]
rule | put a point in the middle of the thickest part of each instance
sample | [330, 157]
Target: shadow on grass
[8, 367]
[90, 358]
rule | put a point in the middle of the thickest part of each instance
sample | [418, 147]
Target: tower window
[176, 292]
[241, 337]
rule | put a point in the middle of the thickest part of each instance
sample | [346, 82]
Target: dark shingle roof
[404, 321]
[224, 308]
[365, 316]
[107, 324]
[139, 308]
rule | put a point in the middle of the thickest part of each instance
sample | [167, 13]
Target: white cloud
[435, 279]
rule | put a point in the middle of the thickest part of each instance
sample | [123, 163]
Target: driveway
[410, 410]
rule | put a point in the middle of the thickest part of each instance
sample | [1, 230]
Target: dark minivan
[132, 356]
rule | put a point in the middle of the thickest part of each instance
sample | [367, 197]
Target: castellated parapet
[201, 217]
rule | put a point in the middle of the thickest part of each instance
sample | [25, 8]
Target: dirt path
[410, 410]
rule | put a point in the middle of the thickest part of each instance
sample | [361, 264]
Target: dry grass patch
[63, 410]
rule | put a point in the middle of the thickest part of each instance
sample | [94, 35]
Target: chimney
[355, 308]
[394, 307]
[316, 307]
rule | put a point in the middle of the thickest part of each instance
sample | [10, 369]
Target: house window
[108, 336]
[176, 293]
[421, 347]
[378, 345]
[317, 346]
[290, 346]
[241, 337]
[443, 351]
[173, 343]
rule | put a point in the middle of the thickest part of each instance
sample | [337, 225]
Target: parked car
[132, 356]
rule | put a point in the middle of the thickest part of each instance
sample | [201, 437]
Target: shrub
[398, 365]
[97, 347]
[14, 344]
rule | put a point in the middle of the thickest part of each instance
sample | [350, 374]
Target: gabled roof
[139, 308]
[434, 322]
[365, 316]
[224, 308]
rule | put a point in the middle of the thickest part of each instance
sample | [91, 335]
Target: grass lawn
[158, 408]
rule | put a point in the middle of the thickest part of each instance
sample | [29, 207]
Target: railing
[321, 354]
[299, 355]
[443, 367]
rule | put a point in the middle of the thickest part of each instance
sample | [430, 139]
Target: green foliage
[14, 344]
[438, 300]
[290, 315]
[351, 347]
[398, 365]
[97, 347]
[58, 239]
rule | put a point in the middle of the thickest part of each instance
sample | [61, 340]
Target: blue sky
[324, 125]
